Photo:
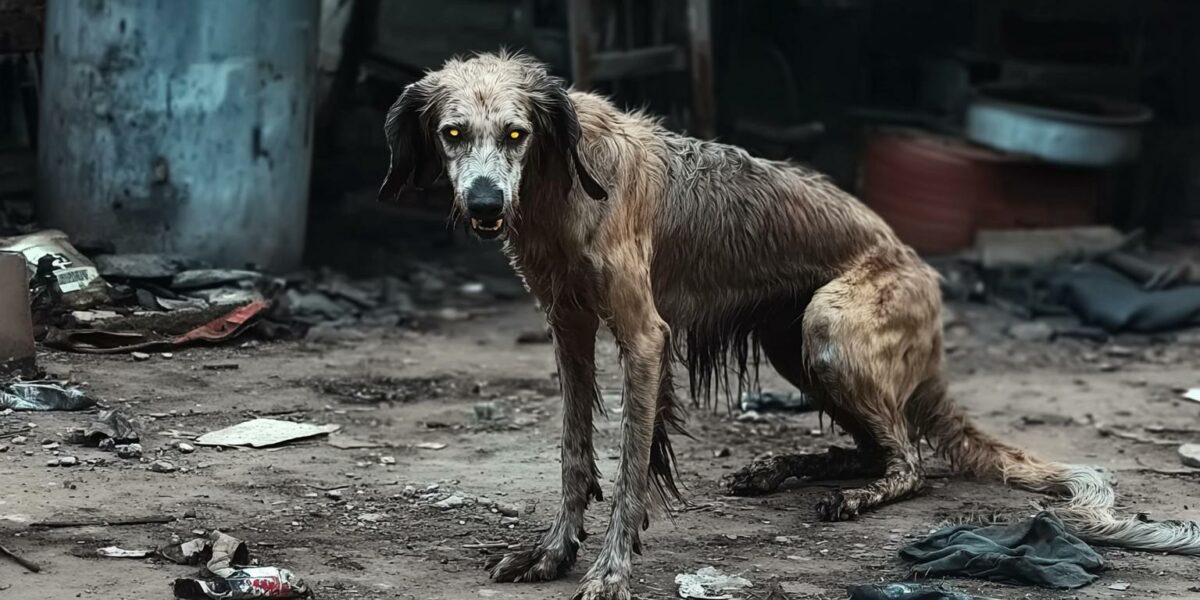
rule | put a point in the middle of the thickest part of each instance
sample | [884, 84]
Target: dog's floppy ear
[561, 124]
[416, 162]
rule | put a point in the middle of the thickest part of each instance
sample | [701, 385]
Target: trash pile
[227, 571]
[1106, 279]
[121, 303]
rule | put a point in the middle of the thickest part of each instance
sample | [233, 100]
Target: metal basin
[1061, 128]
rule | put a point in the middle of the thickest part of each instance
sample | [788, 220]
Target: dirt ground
[401, 388]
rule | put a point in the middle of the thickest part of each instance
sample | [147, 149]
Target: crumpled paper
[709, 584]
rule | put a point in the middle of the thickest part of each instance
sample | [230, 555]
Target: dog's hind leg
[574, 343]
[783, 347]
[870, 338]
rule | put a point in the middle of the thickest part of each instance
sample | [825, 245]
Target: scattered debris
[450, 503]
[30, 565]
[115, 552]
[903, 591]
[163, 466]
[225, 576]
[97, 341]
[260, 433]
[767, 401]
[708, 583]
[109, 425]
[1039, 551]
[58, 269]
[43, 395]
[1189, 455]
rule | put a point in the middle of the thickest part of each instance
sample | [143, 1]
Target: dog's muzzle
[485, 207]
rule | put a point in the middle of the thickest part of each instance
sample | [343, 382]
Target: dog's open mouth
[487, 229]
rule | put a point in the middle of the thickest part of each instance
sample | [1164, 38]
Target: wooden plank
[700, 40]
[642, 61]
[579, 30]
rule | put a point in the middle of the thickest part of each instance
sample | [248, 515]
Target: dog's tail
[1089, 500]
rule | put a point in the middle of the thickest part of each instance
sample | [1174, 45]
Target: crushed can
[245, 583]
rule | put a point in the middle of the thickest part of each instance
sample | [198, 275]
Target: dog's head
[487, 123]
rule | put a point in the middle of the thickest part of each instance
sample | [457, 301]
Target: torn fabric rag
[1038, 551]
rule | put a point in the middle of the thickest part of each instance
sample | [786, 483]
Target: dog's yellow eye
[514, 134]
[452, 132]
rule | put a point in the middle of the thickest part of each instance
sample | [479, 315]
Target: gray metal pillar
[180, 126]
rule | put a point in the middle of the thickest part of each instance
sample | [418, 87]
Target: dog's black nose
[485, 200]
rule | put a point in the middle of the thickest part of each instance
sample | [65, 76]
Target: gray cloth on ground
[1038, 551]
[903, 591]
[1104, 297]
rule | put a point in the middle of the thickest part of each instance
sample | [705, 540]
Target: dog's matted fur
[695, 250]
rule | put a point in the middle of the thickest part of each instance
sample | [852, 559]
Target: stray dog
[694, 250]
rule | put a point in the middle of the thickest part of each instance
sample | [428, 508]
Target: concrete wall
[180, 126]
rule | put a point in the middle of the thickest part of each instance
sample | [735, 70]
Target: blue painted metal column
[180, 126]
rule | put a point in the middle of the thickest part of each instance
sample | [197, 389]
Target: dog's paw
[603, 588]
[838, 506]
[760, 477]
[538, 564]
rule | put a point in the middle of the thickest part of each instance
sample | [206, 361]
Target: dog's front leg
[642, 336]
[574, 345]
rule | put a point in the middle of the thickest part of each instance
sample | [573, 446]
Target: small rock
[20, 439]
[509, 510]
[783, 539]
[387, 460]
[50, 445]
[1120, 586]
[1032, 331]
[162, 466]
[189, 513]
[167, 355]
[52, 462]
[140, 356]
[335, 494]
[186, 448]
[3, 448]
[1120, 351]
[1189, 455]
[509, 520]
[129, 451]
[722, 453]
[408, 491]
[450, 503]
[372, 517]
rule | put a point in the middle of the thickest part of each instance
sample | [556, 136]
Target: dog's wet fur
[693, 251]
